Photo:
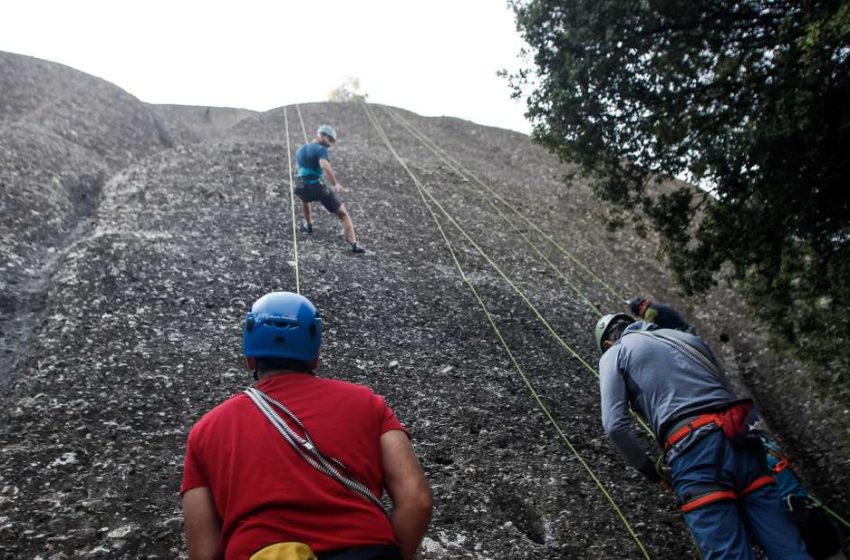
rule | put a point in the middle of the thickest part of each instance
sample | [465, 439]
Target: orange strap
[760, 482]
[718, 495]
[706, 499]
[700, 421]
[780, 466]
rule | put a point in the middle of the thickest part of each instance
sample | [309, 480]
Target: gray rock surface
[134, 237]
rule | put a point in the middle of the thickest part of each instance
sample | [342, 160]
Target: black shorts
[321, 192]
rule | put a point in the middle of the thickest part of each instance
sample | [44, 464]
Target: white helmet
[328, 131]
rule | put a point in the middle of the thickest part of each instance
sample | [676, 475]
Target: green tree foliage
[347, 92]
[750, 100]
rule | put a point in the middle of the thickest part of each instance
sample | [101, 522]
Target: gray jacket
[662, 382]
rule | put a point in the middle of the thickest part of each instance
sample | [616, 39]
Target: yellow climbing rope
[422, 193]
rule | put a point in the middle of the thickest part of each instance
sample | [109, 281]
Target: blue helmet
[282, 325]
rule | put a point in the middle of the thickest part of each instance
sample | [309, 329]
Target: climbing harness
[422, 193]
[305, 446]
[738, 421]
[694, 500]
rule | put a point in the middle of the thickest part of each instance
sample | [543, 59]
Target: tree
[750, 100]
[347, 92]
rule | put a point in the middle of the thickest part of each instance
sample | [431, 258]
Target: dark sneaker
[357, 249]
[307, 228]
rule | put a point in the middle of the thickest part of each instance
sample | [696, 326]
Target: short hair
[615, 329]
[275, 364]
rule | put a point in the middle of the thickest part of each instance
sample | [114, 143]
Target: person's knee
[342, 213]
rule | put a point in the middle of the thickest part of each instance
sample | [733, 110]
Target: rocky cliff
[134, 238]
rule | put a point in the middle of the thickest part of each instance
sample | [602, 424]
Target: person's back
[685, 388]
[666, 317]
[711, 459]
[266, 493]
[299, 461]
[307, 159]
[314, 174]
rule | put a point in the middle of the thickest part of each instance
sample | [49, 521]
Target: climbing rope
[459, 166]
[292, 203]
[510, 282]
[303, 128]
[452, 164]
[429, 205]
[834, 514]
[467, 175]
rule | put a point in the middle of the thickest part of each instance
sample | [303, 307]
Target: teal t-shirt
[307, 158]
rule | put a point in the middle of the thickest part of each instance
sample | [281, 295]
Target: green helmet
[604, 325]
[328, 131]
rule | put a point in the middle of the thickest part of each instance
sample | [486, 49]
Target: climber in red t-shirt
[246, 487]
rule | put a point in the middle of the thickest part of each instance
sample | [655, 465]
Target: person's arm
[329, 172]
[617, 420]
[202, 525]
[406, 484]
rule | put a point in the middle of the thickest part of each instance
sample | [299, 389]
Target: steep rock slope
[142, 330]
[63, 134]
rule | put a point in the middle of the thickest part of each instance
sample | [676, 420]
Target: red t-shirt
[265, 492]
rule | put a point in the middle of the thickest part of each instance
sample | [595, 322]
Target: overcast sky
[433, 57]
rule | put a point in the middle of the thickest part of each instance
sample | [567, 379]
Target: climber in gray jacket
[719, 476]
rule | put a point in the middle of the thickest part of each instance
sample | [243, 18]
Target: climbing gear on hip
[285, 551]
[739, 420]
[306, 448]
[739, 423]
[310, 179]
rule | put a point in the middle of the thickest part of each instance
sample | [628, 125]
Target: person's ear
[251, 363]
[607, 343]
[314, 365]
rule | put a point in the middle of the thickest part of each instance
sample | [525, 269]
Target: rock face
[144, 233]
[64, 133]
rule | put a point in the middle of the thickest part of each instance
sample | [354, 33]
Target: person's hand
[339, 188]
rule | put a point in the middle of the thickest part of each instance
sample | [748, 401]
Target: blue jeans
[720, 528]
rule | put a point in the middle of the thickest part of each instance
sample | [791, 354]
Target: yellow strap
[285, 551]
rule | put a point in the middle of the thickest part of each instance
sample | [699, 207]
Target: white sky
[433, 57]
